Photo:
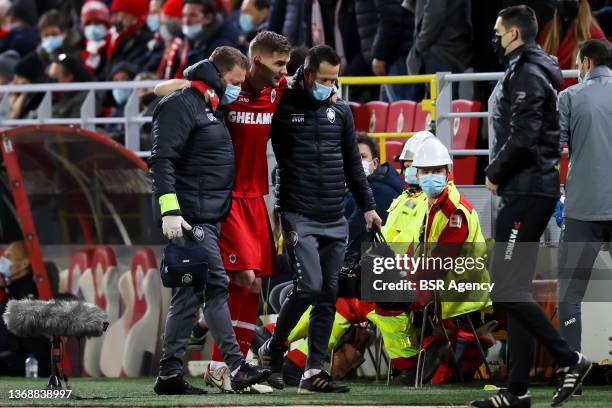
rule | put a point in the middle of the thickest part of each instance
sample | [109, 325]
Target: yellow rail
[382, 141]
[384, 80]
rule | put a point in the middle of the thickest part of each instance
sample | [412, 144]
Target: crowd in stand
[104, 40]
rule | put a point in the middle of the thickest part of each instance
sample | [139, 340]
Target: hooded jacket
[525, 123]
[192, 155]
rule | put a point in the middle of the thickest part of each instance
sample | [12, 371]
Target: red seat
[421, 118]
[103, 260]
[376, 114]
[142, 263]
[401, 116]
[80, 262]
[393, 148]
[354, 107]
[465, 136]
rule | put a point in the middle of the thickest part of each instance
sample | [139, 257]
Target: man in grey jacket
[586, 121]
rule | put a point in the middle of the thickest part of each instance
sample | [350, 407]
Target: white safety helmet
[431, 153]
[413, 143]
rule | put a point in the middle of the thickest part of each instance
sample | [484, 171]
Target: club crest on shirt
[273, 95]
[211, 117]
[331, 115]
[232, 258]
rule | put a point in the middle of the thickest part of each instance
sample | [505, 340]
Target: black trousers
[581, 244]
[521, 220]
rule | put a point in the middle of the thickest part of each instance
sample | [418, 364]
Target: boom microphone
[67, 318]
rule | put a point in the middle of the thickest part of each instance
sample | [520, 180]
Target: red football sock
[245, 327]
[237, 297]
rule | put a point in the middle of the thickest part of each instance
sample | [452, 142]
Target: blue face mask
[95, 32]
[121, 95]
[192, 31]
[230, 95]
[321, 92]
[410, 176]
[153, 22]
[581, 78]
[246, 23]
[432, 184]
[50, 44]
[5, 267]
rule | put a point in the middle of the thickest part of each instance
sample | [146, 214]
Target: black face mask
[119, 26]
[498, 49]
[568, 9]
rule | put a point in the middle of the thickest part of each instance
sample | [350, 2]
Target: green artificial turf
[135, 392]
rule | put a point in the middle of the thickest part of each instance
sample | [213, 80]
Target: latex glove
[172, 226]
[371, 217]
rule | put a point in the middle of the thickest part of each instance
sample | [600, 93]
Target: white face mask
[5, 267]
[366, 167]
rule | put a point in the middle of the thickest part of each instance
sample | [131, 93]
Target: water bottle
[31, 366]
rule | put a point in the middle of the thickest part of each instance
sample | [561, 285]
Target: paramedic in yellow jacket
[451, 219]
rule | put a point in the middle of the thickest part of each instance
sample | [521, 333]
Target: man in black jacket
[523, 172]
[316, 150]
[192, 165]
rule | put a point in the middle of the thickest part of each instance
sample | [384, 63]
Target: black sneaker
[271, 356]
[571, 379]
[321, 382]
[247, 375]
[503, 399]
[176, 385]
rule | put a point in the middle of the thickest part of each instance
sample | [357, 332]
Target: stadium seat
[465, 135]
[421, 118]
[401, 116]
[141, 340]
[79, 264]
[354, 107]
[371, 116]
[393, 149]
[103, 276]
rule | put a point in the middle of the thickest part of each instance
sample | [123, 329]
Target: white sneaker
[257, 389]
[219, 378]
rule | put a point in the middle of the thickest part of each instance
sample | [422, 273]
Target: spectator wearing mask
[22, 36]
[8, 61]
[572, 24]
[17, 282]
[253, 19]
[386, 185]
[585, 121]
[95, 21]
[156, 43]
[442, 39]
[385, 30]
[114, 105]
[154, 17]
[54, 34]
[204, 30]
[169, 61]
[129, 34]
[68, 69]
[29, 70]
